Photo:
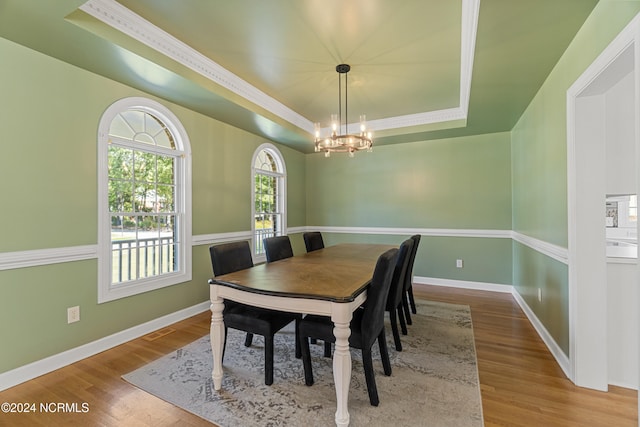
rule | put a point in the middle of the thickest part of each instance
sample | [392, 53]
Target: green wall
[455, 184]
[49, 115]
[539, 159]
[486, 260]
[462, 183]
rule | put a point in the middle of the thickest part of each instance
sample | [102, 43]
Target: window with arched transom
[144, 181]
[269, 196]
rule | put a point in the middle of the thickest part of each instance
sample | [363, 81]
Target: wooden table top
[336, 273]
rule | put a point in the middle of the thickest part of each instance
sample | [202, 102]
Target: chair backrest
[399, 272]
[377, 293]
[409, 275]
[230, 257]
[313, 241]
[277, 248]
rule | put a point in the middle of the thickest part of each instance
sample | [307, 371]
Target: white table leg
[217, 340]
[342, 364]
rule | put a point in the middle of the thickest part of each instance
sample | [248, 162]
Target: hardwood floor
[521, 384]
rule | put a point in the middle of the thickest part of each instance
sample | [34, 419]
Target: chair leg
[405, 306]
[298, 350]
[268, 360]
[306, 360]
[394, 329]
[403, 324]
[384, 353]
[412, 300]
[369, 375]
[327, 349]
[248, 340]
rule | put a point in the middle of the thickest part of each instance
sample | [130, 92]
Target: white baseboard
[554, 348]
[479, 286]
[556, 351]
[32, 370]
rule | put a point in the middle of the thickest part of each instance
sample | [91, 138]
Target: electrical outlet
[459, 263]
[73, 314]
[539, 295]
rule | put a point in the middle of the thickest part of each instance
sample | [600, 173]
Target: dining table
[329, 282]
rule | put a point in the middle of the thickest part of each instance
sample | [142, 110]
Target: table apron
[337, 310]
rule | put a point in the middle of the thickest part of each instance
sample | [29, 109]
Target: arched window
[269, 196]
[144, 179]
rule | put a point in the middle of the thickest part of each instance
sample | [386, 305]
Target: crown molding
[418, 119]
[470, 14]
[124, 20]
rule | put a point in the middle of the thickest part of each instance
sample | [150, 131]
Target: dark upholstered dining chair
[367, 326]
[407, 295]
[277, 248]
[313, 241]
[409, 278]
[394, 301]
[230, 257]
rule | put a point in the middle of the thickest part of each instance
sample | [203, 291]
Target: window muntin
[143, 216]
[143, 127]
[268, 218]
[145, 236]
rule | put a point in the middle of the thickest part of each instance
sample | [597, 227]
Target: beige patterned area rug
[434, 380]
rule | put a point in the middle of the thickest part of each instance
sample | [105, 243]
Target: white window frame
[106, 290]
[281, 198]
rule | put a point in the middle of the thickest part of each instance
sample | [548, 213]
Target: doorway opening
[599, 103]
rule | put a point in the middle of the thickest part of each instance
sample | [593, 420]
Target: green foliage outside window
[140, 182]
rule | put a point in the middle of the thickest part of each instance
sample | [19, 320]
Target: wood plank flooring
[520, 381]
[521, 384]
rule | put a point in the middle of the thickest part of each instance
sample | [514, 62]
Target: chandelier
[340, 140]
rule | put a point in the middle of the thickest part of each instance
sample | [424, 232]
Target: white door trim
[587, 292]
